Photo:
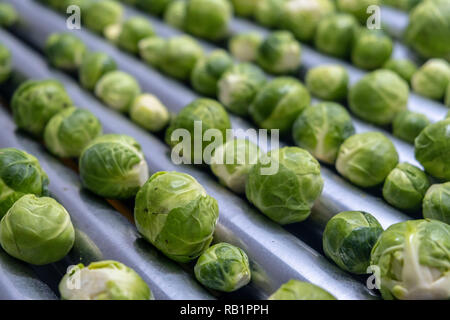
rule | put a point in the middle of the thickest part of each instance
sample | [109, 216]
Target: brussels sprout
[176, 215]
[65, 51]
[232, 161]
[288, 194]
[436, 203]
[208, 19]
[102, 14]
[335, 34]
[8, 15]
[245, 46]
[366, 159]
[5, 63]
[379, 96]
[94, 66]
[238, 87]
[35, 102]
[432, 79]
[328, 82]
[447, 96]
[179, 56]
[211, 114]
[175, 14]
[37, 230]
[223, 267]
[321, 129]
[208, 70]
[405, 68]
[404, 5]
[428, 30]
[118, 90]
[70, 130]
[152, 49]
[279, 53]
[113, 166]
[348, 239]
[148, 112]
[408, 125]
[278, 104]
[244, 8]
[82, 4]
[128, 34]
[432, 149]
[299, 290]
[156, 7]
[54, 4]
[371, 49]
[301, 17]
[357, 8]
[405, 187]
[413, 258]
[269, 12]
[104, 280]
[20, 174]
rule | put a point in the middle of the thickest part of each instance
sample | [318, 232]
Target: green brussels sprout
[269, 12]
[301, 17]
[37, 230]
[349, 238]
[156, 7]
[238, 87]
[285, 195]
[328, 82]
[102, 14]
[8, 15]
[70, 130]
[179, 56]
[104, 280]
[82, 4]
[208, 70]
[408, 125]
[413, 258]
[118, 90]
[299, 290]
[447, 96]
[232, 161]
[244, 8]
[113, 166]
[94, 66]
[152, 49]
[366, 159]
[244, 46]
[371, 49]
[379, 96]
[436, 203]
[208, 19]
[405, 187]
[5, 63]
[432, 149]
[321, 129]
[20, 174]
[175, 14]
[175, 214]
[428, 30]
[128, 34]
[148, 112]
[211, 115]
[405, 68]
[278, 104]
[335, 34]
[404, 5]
[279, 53]
[357, 8]
[35, 102]
[54, 4]
[432, 79]
[65, 51]
[223, 267]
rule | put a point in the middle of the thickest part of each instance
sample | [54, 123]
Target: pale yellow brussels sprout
[328, 82]
[299, 290]
[148, 112]
[245, 46]
[432, 79]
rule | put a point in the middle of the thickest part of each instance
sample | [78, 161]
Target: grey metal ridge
[276, 255]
